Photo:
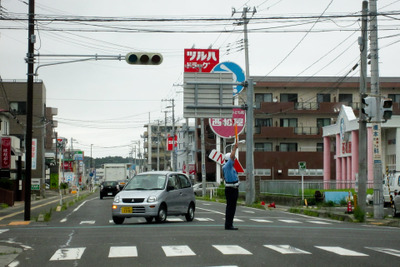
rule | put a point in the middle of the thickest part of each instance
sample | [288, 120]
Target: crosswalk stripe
[204, 219]
[125, 251]
[87, 222]
[67, 254]
[319, 222]
[261, 220]
[174, 251]
[286, 249]
[232, 250]
[174, 220]
[289, 221]
[389, 251]
[341, 251]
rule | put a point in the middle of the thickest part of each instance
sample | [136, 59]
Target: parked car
[155, 195]
[198, 188]
[108, 189]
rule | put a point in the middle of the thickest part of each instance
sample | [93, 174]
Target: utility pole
[375, 91]
[165, 138]
[362, 123]
[250, 190]
[174, 154]
[29, 113]
[158, 145]
[149, 145]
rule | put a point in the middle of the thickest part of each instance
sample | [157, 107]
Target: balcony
[287, 132]
[302, 107]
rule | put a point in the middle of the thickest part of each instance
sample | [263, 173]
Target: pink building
[342, 138]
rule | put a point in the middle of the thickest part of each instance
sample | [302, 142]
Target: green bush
[359, 215]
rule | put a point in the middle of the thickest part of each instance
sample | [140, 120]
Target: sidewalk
[15, 215]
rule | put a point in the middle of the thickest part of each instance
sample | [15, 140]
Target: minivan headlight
[152, 199]
[117, 199]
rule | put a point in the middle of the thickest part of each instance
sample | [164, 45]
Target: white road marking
[174, 251]
[319, 222]
[232, 250]
[68, 254]
[63, 220]
[174, 220]
[261, 220]
[286, 249]
[121, 252]
[87, 222]
[341, 251]
[249, 211]
[389, 251]
[3, 230]
[289, 221]
[204, 219]
[213, 211]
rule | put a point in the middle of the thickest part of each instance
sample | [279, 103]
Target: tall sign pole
[375, 91]
[362, 124]
[29, 113]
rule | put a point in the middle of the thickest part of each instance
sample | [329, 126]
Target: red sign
[68, 166]
[238, 167]
[170, 143]
[200, 60]
[225, 127]
[5, 152]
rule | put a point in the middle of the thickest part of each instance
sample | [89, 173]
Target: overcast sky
[106, 103]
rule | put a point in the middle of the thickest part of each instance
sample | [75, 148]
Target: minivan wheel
[190, 213]
[118, 220]
[162, 214]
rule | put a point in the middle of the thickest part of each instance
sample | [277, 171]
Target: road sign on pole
[302, 170]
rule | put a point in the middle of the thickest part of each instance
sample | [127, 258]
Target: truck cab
[391, 186]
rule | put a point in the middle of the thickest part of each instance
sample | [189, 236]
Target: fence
[293, 187]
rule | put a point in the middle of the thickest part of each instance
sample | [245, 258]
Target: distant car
[198, 188]
[155, 195]
[396, 206]
[109, 189]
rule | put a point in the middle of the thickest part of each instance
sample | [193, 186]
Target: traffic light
[386, 108]
[143, 58]
[369, 107]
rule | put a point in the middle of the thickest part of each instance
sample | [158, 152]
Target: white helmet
[227, 156]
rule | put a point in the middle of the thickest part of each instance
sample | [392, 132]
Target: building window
[263, 147]
[320, 147]
[288, 147]
[321, 122]
[395, 97]
[323, 98]
[288, 122]
[18, 108]
[260, 98]
[346, 98]
[289, 98]
[263, 122]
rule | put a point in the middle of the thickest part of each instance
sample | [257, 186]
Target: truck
[391, 186]
[119, 172]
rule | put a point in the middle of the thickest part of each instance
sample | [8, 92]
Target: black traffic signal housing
[143, 58]
[386, 109]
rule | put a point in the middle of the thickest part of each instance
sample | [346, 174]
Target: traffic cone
[272, 205]
[349, 207]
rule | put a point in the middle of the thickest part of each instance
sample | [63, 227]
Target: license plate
[126, 209]
[110, 194]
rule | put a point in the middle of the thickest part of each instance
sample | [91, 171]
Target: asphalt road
[84, 235]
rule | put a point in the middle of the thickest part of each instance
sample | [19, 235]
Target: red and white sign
[219, 158]
[225, 127]
[5, 152]
[171, 143]
[204, 59]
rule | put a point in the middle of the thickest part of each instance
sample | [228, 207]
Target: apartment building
[288, 119]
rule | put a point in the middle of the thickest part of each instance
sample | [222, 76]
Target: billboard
[200, 60]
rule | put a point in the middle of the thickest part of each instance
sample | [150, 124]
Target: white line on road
[232, 250]
[68, 254]
[341, 251]
[286, 249]
[174, 251]
[123, 251]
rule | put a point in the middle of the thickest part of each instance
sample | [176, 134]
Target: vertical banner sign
[34, 153]
[170, 143]
[200, 60]
[5, 153]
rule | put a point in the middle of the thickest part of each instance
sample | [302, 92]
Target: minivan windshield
[146, 182]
